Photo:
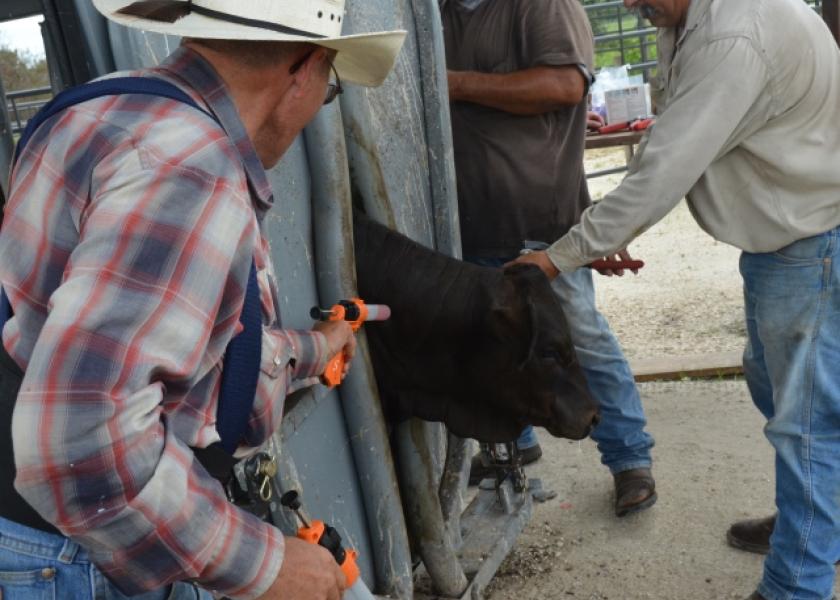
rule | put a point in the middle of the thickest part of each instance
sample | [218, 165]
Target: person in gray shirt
[518, 77]
[748, 133]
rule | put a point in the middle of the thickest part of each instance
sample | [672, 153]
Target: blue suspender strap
[5, 309]
[241, 366]
[241, 370]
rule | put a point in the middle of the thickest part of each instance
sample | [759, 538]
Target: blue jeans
[792, 368]
[621, 437]
[35, 565]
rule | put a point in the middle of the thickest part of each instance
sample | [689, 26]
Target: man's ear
[308, 72]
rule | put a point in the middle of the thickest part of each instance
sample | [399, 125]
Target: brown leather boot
[752, 535]
[754, 596]
[635, 490]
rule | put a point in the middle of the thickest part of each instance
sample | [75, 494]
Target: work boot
[478, 472]
[752, 535]
[755, 596]
[635, 490]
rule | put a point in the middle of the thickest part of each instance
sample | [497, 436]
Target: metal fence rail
[621, 37]
[624, 38]
[23, 104]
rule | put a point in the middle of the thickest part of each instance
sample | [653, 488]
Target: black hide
[485, 351]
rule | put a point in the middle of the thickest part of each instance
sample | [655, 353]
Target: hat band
[237, 20]
[173, 10]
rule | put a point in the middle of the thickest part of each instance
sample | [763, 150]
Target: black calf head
[527, 362]
[486, 352]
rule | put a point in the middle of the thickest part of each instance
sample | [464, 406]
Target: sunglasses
[333, 88]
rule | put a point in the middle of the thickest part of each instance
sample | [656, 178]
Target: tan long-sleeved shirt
[749, 132]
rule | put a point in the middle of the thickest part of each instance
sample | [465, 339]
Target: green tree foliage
[620, 34]
[20, 70]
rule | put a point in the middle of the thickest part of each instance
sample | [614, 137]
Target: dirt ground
[711, 461]
[712, 466]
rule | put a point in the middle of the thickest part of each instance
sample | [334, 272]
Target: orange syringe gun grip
[349, 566]
[334, 371]
[312, 533]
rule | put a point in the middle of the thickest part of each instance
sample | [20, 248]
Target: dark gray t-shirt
[519, 177]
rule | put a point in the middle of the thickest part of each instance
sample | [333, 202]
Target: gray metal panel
[75, 42]
[335, 268]
[94, 28]
[401, 159]
[418, 466]
[133, 48]
[441, 159]
[18, 9]
[7, 146]
[385, 129]
[316, 435]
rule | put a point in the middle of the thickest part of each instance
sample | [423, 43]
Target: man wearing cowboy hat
[132, 222]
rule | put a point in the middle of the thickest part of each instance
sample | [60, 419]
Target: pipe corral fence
[623, 37]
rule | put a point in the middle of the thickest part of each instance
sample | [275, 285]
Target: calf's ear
[513, 315]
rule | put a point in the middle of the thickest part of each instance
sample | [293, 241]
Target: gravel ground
[712, 466]
[687, 300]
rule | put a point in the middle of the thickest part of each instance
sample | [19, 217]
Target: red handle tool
[603, 263]
[635, 125]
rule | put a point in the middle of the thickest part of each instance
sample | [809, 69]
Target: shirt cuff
[247, 557]
[563, 255]
[588, 76]
[309, 355]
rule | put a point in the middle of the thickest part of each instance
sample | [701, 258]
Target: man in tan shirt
[748, 133]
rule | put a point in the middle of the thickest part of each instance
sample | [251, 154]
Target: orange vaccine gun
[356, 312]
[317, 532]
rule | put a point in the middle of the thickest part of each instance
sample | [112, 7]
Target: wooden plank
[609, 140]
[670, 368]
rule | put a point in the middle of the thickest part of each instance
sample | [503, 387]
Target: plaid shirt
[126, 246]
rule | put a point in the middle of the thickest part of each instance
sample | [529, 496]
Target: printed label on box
[627, 103]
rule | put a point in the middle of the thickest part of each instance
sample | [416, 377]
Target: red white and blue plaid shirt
[125, 251]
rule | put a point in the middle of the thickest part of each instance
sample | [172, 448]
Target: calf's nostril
[596, 418]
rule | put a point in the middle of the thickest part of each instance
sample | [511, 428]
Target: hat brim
[364, 59]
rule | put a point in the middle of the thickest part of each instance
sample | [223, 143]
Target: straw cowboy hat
[365, 58]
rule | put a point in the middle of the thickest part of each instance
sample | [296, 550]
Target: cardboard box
[627, 103]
